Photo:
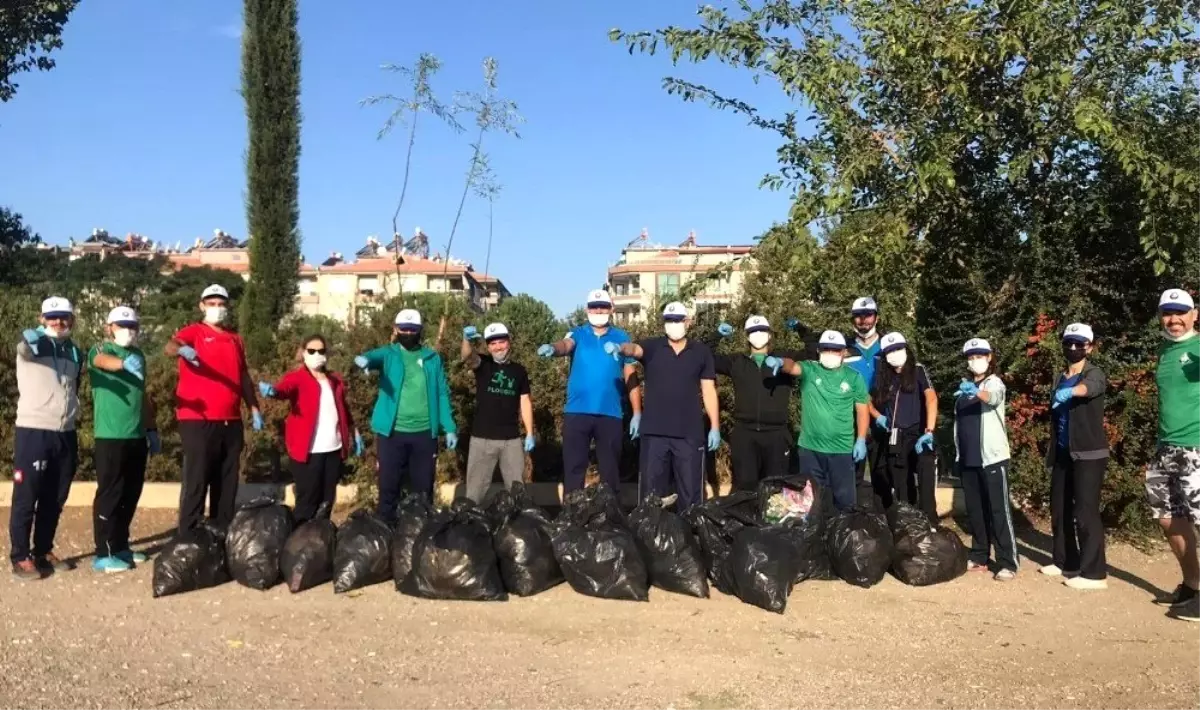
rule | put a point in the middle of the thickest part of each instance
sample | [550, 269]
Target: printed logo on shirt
[1185, 359]
[845, 386]
[18, 475]
[502, 384]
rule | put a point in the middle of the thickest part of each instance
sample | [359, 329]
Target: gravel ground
[82, 640]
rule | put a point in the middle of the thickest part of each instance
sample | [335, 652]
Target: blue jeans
[834, 471]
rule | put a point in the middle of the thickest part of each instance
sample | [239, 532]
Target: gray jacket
[48, 385]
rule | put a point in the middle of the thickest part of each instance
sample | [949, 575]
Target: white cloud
[230, 30]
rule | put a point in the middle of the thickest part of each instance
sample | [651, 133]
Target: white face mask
[830, 360]
[56, 333]
[314, 361]
[759, 339]
[215, 314]
[865, 335]
[501, 357]
[598, 320]
[124, 337]
[1177, 338]
[675, 331]
[897, 358]
[977, 365]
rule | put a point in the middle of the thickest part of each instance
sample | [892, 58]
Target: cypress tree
[271, 90]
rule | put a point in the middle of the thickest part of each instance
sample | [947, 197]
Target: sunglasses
[315, 351]
[1074, 345]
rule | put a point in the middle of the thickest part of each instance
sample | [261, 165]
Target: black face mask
[1074, 355]
[409, 341]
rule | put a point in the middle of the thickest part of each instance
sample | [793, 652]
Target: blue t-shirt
[969, 413]
[1062, 417]
[864, 365]
[595, 385]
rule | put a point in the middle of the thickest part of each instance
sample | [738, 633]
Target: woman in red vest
[317, 429]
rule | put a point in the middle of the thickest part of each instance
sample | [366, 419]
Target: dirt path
[82, 640]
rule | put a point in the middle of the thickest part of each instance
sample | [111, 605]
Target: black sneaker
[49, 564]
[1188, 611]
[1182, 596]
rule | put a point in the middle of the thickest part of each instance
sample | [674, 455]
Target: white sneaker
[1085, 583]
[1005, 575]
[1051, 571]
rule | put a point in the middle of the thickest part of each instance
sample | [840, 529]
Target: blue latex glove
[266, 389]
[361, 363]
[470, 333]
[358, 444]
[925, 443]
[451, 440]
[635, 426]
[860, 449]
[31, 337]
[614, 350]
[792, 324]
[1062, 396]
[256, 421]
[968, 389]
[529, 443]
[134, 366]
[154, 442]
[546, 350]
[774, 363]
[714, 439]
[881, 421]
[725, 330]
[187, 352]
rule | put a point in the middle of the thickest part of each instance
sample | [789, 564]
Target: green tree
[271, 89]
[13, 230]
[30, 30]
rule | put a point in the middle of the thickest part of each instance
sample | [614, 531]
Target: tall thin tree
[271, 89]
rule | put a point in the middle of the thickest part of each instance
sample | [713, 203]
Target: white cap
[598, 299]
[675, 311]
[866, 304]
[977, 346]
[832, 340]
[495, 330]
[1176, 300]
[215, 290]
[122, 315]
[1079, 331]
[756, 323]
[892, 341]
[409, 316]
[57, 306]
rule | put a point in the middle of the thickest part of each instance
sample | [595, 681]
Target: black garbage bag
[860, 546]
[411, 516]
[195, 559]
[801, 503]
[363, 554]
[597, 553]
[716, 522]
[307, 558]
[922, 554]
[453, 559]
[764, 563]
[255, 540]
[670, 550]
[522, 543]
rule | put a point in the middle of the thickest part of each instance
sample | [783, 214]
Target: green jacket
[387, 361]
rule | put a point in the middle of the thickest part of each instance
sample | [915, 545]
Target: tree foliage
[271, 88]
[30, 30]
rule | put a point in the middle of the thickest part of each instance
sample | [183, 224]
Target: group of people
[867, 402]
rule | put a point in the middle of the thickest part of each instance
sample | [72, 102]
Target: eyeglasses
[315, 351]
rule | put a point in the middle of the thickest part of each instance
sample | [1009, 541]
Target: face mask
[1177, 338]
[897, 358]
[56, 333]
[977, 365]
[865, 334]
[598, 320]
[409, 341]
[675, 331]
[215, 314]
[502, 356]
[759, 340]
[315, 361]
[831, 361]
[1074, 355]
[124, 337]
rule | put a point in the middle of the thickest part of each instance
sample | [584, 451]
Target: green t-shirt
[1178, 379]
[116, 396]
[412, 412]
[758, 358]
[827, 417]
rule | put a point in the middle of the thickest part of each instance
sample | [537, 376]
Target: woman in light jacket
[317, 429]
[982, 455]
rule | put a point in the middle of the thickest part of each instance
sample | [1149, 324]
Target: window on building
[307, 287]
[368, 285]
[668, 284]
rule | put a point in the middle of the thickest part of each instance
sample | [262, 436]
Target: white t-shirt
[328, 437]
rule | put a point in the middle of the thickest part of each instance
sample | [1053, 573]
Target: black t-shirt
[969, 411]
[498, 390]
[671, 389]
[904, 410]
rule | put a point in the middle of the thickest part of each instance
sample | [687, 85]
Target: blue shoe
[110, 564]
[133, 558]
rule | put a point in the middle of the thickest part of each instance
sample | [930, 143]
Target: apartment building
[650, 275]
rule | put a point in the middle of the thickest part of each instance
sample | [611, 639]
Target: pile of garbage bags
[756, 545]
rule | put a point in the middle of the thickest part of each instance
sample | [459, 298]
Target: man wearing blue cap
[679, 374]
[46, 447]
[596, 388]
[833, 421]
[1173, 477]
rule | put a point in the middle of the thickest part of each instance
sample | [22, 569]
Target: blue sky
[141, 128]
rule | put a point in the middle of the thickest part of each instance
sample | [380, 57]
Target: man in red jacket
[213, 382]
